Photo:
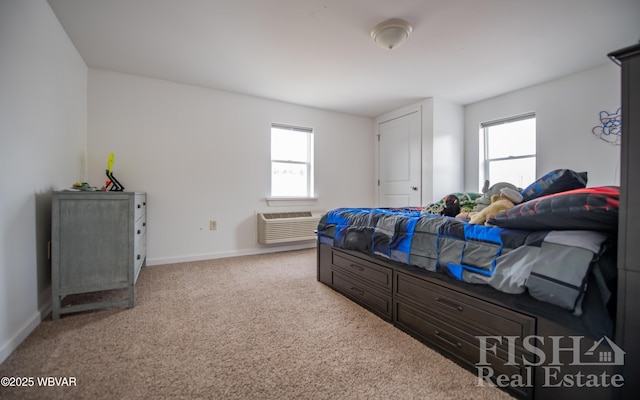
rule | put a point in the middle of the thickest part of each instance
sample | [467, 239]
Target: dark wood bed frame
[448, 315]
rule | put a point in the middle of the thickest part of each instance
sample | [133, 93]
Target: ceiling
[319, 53]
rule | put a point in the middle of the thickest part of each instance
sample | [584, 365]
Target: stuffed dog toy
[507, 199]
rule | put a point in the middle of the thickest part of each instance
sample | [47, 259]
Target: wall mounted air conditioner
[286, 227]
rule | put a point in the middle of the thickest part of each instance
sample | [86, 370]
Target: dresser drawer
[483, 318]
[140, 227]
[362, 293]
[139, 206]
[139, 255]
[365, 270]
[140, 248]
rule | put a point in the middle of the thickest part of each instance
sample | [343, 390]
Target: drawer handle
[449, 304]
[144, 224]
[360, 292]
[358, 267]
[139, 231]
[139, 206]
[444, 339]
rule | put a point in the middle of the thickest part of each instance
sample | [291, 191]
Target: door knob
[414, 188]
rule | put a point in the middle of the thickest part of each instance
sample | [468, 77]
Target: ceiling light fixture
[391, 33]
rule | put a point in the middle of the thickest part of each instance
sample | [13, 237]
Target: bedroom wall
[566, 110]
[43, 89]
[448, 145]
[203, 154]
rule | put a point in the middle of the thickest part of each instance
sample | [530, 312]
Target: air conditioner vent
[287, 215]
[286, 227]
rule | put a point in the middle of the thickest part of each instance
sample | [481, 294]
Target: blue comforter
[553, 266]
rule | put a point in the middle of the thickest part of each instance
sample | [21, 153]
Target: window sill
[291, 201]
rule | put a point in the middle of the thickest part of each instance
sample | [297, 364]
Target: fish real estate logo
[603, 352]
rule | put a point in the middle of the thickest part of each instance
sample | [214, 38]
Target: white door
[399, 151]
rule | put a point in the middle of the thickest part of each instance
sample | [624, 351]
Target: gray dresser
[98, 246]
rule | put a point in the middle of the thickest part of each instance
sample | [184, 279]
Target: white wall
[43, 89]
[566, 110]
[447, 150]
[203, 154]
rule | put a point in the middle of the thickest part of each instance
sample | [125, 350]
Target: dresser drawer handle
[139, 206]
[444, 339]
[360, 292]
[449, 304]
[358, 267]
[139, 231]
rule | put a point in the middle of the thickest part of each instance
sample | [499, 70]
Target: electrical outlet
[213, 225]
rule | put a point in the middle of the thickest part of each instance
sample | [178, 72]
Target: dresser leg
[55, 308]
[132, 296]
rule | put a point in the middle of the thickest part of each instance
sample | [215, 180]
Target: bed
[544, 267]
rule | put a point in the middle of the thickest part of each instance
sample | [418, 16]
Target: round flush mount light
[391, 33]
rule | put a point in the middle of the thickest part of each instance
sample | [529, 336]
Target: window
[605, 357]
[509, 147]
[291, 161]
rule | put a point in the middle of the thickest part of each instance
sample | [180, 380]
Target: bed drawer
[481, 317]
[423, 323]
[363, 294]
[456, 342]
[365, 270]
[450, 338]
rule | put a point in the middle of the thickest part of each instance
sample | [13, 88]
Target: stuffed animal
[507, 199]
[452, 203]
[451, 206]
[489, 191]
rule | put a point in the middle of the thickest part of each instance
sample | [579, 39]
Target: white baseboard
[225, 254]
[10, 345]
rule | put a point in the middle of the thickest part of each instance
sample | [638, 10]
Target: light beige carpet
[253, 327]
